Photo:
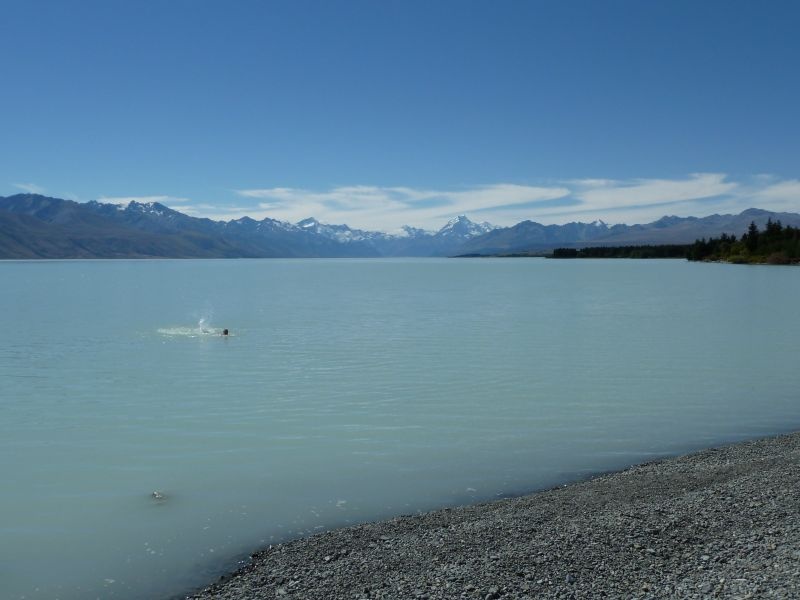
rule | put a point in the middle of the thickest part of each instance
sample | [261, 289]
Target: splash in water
[203, 328]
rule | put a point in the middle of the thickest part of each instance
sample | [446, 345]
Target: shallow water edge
[653, 488]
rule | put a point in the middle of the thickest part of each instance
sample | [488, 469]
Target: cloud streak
[31, 188]
[387, 208]
[780, 196]
[642, 192]
[124, 200]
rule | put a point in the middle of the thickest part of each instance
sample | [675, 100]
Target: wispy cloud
[784, 196]
[166, 200]
[215, 211]
[640, 200]
[391, 207]
[31, 188]
[605, 194]
[387, 208]
[502, 204]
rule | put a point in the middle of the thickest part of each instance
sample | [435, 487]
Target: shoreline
[721, 522]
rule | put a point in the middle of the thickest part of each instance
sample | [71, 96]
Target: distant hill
[529, 236]
[35, 226]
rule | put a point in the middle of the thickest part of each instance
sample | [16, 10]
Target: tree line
[661, 251]
[776, 244]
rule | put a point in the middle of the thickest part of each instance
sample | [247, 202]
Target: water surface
[349, 390]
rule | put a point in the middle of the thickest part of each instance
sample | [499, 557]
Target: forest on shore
[660, 251]
[776, 245]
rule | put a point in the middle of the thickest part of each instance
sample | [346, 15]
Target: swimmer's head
[224, 332]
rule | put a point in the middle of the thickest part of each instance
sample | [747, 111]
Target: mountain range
[35, 226]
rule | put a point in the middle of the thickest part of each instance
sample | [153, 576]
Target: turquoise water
[349, 390]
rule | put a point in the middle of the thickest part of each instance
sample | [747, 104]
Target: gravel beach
[723, 522]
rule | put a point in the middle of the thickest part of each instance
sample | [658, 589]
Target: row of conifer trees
[776, 244]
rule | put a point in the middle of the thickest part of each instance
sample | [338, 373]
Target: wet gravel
[721, 523]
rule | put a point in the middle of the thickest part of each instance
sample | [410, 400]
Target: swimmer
[224, 332]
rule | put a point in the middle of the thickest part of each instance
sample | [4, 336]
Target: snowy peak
[311, 223]
[155, 209]
[265, 225]
[338, 233]
[462, 227]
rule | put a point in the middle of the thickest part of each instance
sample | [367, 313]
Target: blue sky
[383, 113]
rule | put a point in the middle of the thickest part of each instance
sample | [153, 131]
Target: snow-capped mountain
[341, 233]
[35, 226]
[461, 227]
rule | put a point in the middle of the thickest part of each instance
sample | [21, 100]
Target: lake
[349, 390]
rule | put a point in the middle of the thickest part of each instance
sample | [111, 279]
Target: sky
[384, 113]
